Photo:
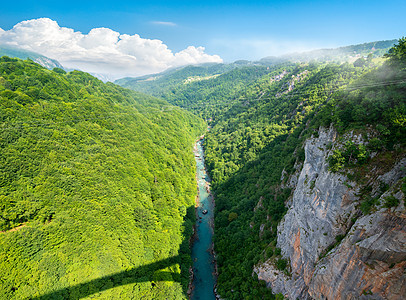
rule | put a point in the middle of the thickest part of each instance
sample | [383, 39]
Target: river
[204, 278]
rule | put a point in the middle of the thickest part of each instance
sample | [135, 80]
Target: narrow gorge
[102, 195]
[204, 277]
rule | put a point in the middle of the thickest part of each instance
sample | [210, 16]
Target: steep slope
[307, 167]
[246, 154]
[330, 186]
[204, 88]
[97, 188]
[335, 251]
[158, 83]
[200, 89]
[344, 233]
[261, 119]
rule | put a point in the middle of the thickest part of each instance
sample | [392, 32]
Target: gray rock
[368, 263]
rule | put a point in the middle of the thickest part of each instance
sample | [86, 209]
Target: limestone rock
[368, 263]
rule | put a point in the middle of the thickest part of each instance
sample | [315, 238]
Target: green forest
[97, 188]
[97, 181]
[250, 150]
[259, 118]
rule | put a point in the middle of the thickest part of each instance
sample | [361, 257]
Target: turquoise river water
[204, 278]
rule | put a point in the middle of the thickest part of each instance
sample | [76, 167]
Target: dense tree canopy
[260, 117]
[397, 54]
[95, 180]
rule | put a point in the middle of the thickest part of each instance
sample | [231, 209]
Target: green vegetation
[347, 97]
[209, 97]
[97, 182]
[96, 188]
[350, 155]
[260, 118]
[158, 84]
[258, 140]
[397, 54]
[391, 201]
[281, 264]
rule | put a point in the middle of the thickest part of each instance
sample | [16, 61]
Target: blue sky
[231, 29]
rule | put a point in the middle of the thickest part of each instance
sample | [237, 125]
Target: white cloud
[193, 55]
[102, 50]
[163, 23]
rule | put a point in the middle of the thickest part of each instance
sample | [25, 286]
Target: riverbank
[204, 272]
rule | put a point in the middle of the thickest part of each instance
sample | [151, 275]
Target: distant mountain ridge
[377, 48]
[164, 82]
[155, 83]
[15, 52]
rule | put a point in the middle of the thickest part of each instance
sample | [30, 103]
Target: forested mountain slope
[97, 188]
[288, 142]
[194, 87]
[156, 84]
[307, 161]
[341, 54]
[256, 155]
[199, 88]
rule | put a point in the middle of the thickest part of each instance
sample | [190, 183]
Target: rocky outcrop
[334, 254]
[290, 85]
[369, 263]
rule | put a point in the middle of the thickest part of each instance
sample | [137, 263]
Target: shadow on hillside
[154, 272]
[150, 272]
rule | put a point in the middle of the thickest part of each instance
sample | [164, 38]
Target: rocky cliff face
[334, 253]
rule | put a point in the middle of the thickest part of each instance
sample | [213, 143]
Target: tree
[397, 54]
[360, 62]
[232, 216]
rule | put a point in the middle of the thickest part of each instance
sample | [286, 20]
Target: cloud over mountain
[102, 50]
